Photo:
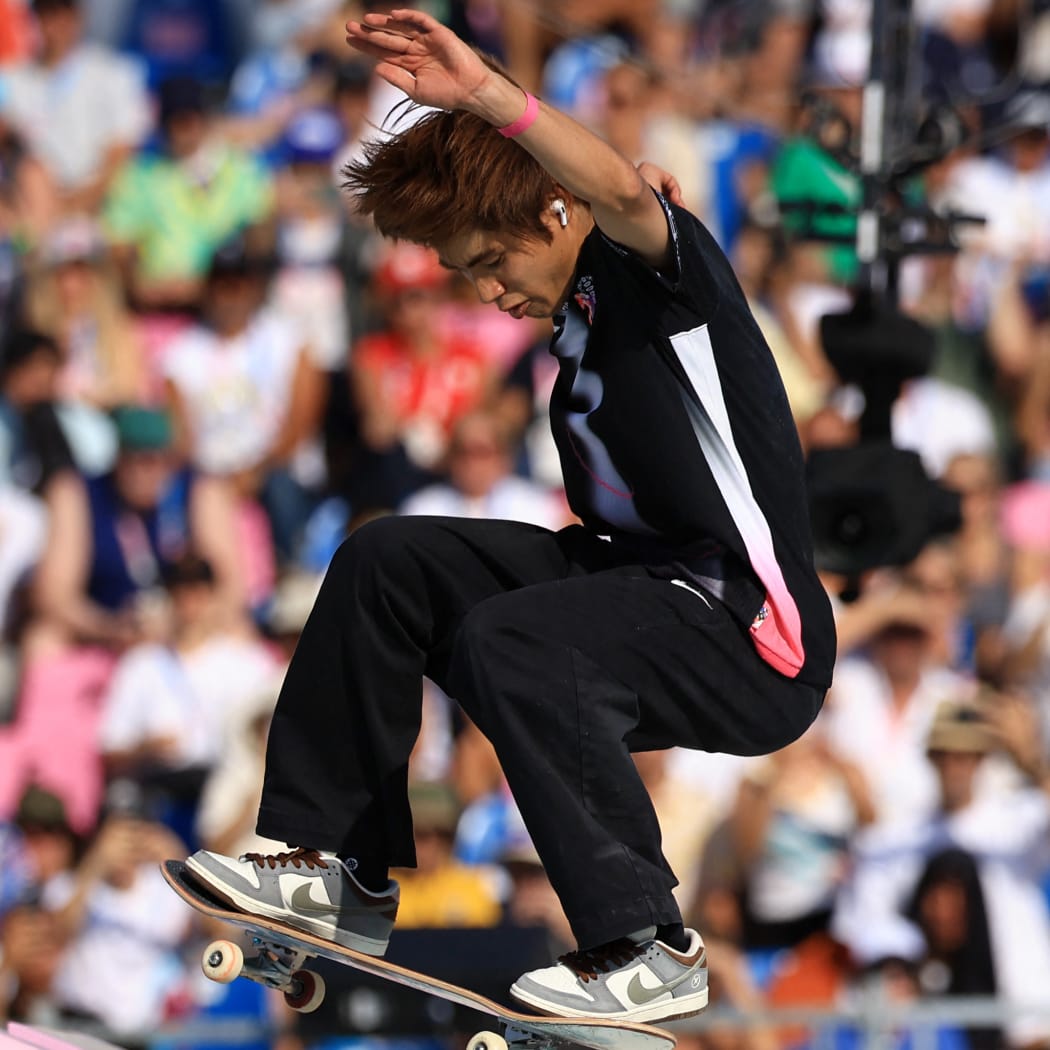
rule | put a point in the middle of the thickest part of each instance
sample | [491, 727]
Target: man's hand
[420, 56]
[1014, 724]
[662, 181]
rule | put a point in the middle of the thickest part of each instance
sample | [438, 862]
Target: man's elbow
[632, 196]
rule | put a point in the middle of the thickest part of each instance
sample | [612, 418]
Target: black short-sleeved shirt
[675, 435]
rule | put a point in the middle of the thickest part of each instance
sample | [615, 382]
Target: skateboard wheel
[222, 961]
[487, 1041]
[310, 994]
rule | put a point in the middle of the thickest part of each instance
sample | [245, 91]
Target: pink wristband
[525, 121]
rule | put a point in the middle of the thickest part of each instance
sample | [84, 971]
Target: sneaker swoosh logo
[640, 995]
[302, 900]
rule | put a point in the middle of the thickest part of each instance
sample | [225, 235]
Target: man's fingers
[379, 40]
[397, 76]
[409, 24]
[369, 47]
[416, 19]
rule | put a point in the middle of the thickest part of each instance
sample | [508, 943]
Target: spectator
[984, 558]
[285, 70]
[480, 483]
[115, 906]
[936, 574]
[28, 198]
[1006, 834]
[949, 909]
[531, 900]
[111, 538]
[411, 380]
[172, 703]
[16, 870]
[1026, 628]
[31, 946]
[1019, 329]
[168, 211]
[528, 39]
[23, 529]
[76, 300]
[794, 817]
[441, 891]
[940, 421]
[810, 168]
[247, 395]
[49, 842]
[81, 108]
[36, 443]
[311, 227]
[760, 260]
[15, 31]
[881, 705]
[1011, 188]
[177, 37]
[350, 97]
[31, 939]
[638, 120]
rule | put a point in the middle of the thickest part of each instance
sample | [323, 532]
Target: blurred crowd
[211, 371]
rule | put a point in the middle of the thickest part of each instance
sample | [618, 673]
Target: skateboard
[280, 953]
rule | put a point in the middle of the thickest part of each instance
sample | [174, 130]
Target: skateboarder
[683, 611]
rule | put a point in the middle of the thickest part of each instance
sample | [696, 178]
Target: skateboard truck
[273, 964]
[514, 1038]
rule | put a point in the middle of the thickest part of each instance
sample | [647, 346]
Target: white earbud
[558, 207]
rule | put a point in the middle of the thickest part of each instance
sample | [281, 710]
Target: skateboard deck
[283, 950]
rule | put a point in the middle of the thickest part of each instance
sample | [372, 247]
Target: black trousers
[565, 652]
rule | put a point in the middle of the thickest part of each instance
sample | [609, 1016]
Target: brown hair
[120, 353]
[449, 172]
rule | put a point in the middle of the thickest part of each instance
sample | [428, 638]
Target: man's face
[33, 381]
[956, 773]
[477, 456]
[142, 476]
[230, 301]
[185, 133]
[60, 28]
[525, 278]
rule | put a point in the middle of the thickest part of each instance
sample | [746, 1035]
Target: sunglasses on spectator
[477, 448]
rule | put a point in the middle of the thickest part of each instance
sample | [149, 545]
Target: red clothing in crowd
[439, 388]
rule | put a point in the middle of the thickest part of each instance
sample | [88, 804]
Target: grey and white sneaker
[624, 980]
[306, 889]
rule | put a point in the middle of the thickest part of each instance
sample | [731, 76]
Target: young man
[683, 611]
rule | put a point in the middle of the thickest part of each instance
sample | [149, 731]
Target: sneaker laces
[297, 858]
[590, 963]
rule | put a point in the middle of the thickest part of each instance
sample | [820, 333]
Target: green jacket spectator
[169, 211]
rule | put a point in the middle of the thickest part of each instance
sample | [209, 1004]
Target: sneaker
[624, 980]
[306, 889]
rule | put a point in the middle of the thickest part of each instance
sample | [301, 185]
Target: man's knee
[376, 545]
